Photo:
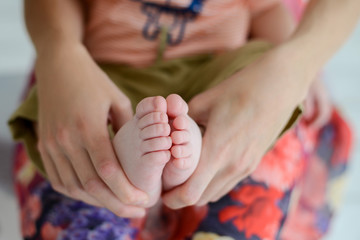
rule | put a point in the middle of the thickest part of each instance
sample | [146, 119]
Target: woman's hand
[76, 102]
[318, 107]
[243, 116]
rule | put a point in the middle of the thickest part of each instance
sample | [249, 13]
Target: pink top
[128, 31]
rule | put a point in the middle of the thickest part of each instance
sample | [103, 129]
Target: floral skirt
[292, 195]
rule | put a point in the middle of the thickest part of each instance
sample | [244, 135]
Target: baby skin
[160, 147]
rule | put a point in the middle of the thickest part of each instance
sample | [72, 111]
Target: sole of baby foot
[143, 146]
[186, 143]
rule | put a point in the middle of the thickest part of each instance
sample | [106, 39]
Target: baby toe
[180, 137]
[152, 118]
[155, 130]
[150, 104]
[181, 122]
[181, 151]
[156, 144]
[157, 158]
[176, 106]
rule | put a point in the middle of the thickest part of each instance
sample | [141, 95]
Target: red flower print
[300, 225]
[283, 164]
[259, 215]
[343, 140]
[49, 232]
[29, 214]
[192, 216]
[21, 157]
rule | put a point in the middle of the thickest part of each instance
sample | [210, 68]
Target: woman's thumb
[120, 113]
[199, 109]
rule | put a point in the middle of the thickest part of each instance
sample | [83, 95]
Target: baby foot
[142, 146]
[186, 143]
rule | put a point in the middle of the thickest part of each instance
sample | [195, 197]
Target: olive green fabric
[186, 77]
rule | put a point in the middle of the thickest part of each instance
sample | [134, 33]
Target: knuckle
[234, 169]
[95, 141]
[73, 191]
[40, 146]
[92, 186]
[106, 169]
[100, 139]
[125, 104]
[50, 143]
[57, 187]
[189, 198]
[81, 124]
[119, 211]
[62, 135]
[127, 198]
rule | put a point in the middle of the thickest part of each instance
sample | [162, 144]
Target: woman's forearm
[274, 24]
[324, 28]
[53, 23]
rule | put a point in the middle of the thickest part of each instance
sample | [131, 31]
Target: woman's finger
[191, 191]
[50, 169]
[213, 189]
[225, 181]
[323, 108]
[69, 178]
[107, 167]
[120, 112]
[95, 187]
[230, 185]
[309, 109]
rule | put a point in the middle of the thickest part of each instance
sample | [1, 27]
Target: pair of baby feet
[160, 147]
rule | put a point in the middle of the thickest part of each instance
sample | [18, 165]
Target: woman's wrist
[299, 57]
[59, 56]
[59, 47]
[284, 74]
